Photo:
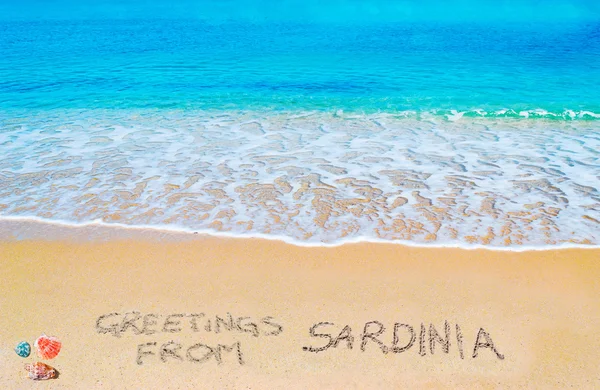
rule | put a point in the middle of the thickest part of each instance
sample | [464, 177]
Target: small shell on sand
[40, 371]
[47, 347]
[23, 349]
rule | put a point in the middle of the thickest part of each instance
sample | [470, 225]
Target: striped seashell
[40, 371]
[23, 349]
[47, 347]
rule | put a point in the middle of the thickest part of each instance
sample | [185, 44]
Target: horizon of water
[375, 123]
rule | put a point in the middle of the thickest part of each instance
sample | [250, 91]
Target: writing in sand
[134, 322]
[324, 336]
[404, 338]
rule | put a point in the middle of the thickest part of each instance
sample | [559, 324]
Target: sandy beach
[299, 194]
[150, 310]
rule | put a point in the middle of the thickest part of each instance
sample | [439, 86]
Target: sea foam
[310, 177]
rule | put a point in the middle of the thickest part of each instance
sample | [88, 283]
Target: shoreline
[450, 114]
[311, 178]
[135, 310]
[20, 228]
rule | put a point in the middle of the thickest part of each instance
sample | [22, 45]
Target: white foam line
[534, 113]
[291, 241]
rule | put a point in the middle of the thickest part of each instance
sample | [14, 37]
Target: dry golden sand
[541, 309]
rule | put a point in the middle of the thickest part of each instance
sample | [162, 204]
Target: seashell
[47, 347]
[23, 349]
[40, 371]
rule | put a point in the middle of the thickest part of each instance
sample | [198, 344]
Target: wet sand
[139, 310]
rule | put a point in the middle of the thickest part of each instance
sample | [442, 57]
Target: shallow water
[450, 133]
[310, 176]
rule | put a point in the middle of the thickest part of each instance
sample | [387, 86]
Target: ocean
[375, 125]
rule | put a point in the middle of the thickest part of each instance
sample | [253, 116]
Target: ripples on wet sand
[312, 176]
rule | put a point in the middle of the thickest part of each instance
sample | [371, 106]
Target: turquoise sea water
[472, 124]
[241, 65]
